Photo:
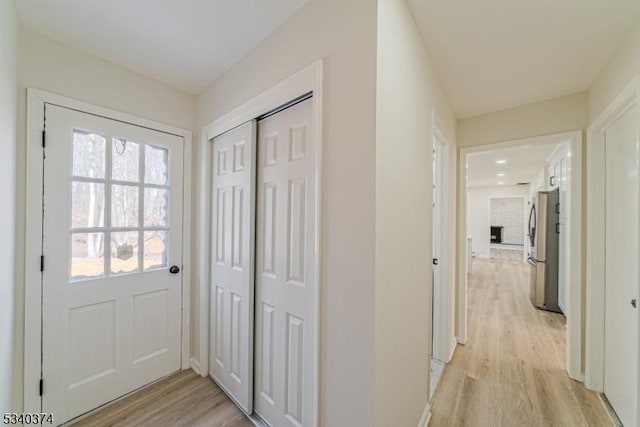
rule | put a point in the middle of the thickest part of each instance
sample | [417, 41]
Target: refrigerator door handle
[532, 224]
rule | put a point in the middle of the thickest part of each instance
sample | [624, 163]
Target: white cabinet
[559, 177]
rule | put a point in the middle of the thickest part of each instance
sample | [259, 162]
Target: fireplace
[496, 234]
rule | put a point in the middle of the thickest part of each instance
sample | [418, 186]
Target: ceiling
[522, 164]
[186, 44]
[497, 54]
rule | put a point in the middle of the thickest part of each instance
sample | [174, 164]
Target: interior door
[232, 263]
[436, 277]
[564, 184]
[285, 278]
[112, 229]
[622, 274]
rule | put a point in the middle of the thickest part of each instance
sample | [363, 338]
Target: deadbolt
[634, 303]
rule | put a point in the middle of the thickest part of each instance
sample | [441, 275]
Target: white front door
[285, 268]
[621, 261]
[111, 299]
[232, 268]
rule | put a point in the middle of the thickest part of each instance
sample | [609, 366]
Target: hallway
[511, 371]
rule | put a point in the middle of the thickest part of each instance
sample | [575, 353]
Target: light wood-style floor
[183, 399]
[511, 371]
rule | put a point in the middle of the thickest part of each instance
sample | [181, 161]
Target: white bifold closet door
[280, 201]
[285, 256]
[232, 255]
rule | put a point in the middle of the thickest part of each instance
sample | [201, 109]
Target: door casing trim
[628, 98]
[36, 100]
[443, 337]
[309, 79]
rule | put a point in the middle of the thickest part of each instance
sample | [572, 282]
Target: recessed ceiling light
[500, 183]
[501, 161]
[500, 174]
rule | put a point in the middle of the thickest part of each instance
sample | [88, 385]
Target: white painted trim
[452, 348]
[195, 365]
[204, 245]
[463, 250]
[595, 259]
[33, 251]
[425, 417]
[443, 338]
[309, 79]
[36, 100]
[575, 285]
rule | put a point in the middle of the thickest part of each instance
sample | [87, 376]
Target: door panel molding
[233, 264]
[628, 99]
[308, 80]
[36, 100]
[286, 286]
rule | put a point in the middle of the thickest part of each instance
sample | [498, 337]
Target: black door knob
[174, 269]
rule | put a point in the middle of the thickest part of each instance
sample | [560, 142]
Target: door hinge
[41, 386]
[41, 263]
[44, 139]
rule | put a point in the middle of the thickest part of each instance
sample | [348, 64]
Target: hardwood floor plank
[182, 399]
[511, 371]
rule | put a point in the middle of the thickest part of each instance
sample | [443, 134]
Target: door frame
[36, 100]
[628, 98]
[574, 294]
[309, 79]
[443, 337]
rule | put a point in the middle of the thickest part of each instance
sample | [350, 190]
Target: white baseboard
[452, 350]
[195, 365]
[426, 416]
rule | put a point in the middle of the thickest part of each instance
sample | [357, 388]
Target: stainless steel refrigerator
[544, 241]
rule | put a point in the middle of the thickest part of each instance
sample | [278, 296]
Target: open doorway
[520, 208]
[517, 350]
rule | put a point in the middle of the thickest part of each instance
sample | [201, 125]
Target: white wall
[54, 67]
[344, 35]
[538, 183]
[8, 142]
[622, 67]
[479, 216]
[409, 91]
[556, 115]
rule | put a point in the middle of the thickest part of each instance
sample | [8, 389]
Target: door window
[119, 214]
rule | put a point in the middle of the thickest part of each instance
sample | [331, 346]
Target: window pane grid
[120, 207]
[85, 179]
